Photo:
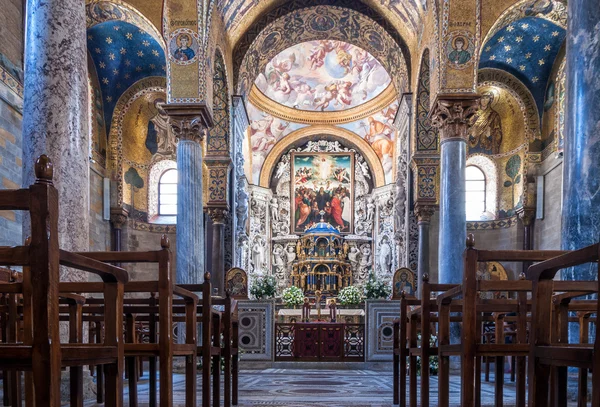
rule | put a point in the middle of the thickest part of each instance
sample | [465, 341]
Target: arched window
[475, 193]
[167, 193]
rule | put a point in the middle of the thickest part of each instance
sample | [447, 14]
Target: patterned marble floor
[325, 388]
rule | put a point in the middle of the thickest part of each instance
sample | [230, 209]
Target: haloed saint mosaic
[322, 188]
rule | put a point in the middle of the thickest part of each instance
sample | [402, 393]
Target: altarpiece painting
[322, 188]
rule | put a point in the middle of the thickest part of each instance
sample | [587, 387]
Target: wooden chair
[546, 351]
[40, 350]
[163, 310]
[471, 349]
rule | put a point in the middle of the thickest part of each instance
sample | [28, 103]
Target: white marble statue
[385, 258]
[354, 257]
[274, 210]
[290, 255]
[370, 209]
[258, 256]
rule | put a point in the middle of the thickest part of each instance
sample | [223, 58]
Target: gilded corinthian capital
[452, 114]
[189, 121]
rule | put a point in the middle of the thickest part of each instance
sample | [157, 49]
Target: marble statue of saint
[353, 257]
[290, 254]
[370, 209]
[278, 256]
[385, 258]
[486, 132]
[274, 210]
[258, 256]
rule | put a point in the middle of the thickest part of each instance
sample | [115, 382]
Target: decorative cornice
[493, 224]
[189, 121]
[424, 212]
[452, 113]
[268, 105]
[218, 214]
[118, 217]
[527, 216]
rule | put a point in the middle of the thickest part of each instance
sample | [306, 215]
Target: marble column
[219, 217]
[189, 124]
[451, 114]
[424, 214]
[55, 113]
[217, 206]
[581, 197]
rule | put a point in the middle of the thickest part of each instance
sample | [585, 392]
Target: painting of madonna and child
[322, 187]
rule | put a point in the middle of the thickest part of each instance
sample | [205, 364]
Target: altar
[319, 341]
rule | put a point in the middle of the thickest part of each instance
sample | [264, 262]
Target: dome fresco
[323, 76]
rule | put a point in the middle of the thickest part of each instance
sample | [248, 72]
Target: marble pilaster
[55, 113]
[189, 123]
[424, 214]
[219, 217]
[581, 197]
[451, 114]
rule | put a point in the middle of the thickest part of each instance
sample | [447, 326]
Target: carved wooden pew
[164, 310]
[471, 349]
[420, 318]
[546, 351]
[223, 344]
[40, 350]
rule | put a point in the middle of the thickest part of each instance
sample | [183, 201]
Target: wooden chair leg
[234, 380]
[99, 368]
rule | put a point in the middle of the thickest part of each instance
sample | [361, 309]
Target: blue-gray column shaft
[453, 220]
[190, 216]
[55, 113]
[581, 186]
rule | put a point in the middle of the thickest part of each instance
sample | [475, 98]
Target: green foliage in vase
[264, 287]
[377, 289]
[350, 295]
[292, 296]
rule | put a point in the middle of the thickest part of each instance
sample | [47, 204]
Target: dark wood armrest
[108, 273]
[185, 294]
[546, 270]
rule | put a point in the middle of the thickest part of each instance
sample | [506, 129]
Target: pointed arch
[218, 140]
[426, 135]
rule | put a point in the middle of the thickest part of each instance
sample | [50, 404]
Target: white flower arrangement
[350, 295]
[292, 296]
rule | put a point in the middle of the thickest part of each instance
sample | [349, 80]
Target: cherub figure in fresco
[319, 52]
[260, 134]
[486, 132]
[459, 55]
[328, 96]
[306, 95]
[379, 136]
[283, 87]
[183, 51]
[344, 94]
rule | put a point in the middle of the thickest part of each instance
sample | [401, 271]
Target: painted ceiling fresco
[527, 49]
[265, 130]
[122, 54]
[323, 76]
[378, 131]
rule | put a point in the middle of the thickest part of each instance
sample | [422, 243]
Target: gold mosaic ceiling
[405, 15]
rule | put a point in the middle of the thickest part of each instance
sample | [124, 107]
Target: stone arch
[156, 171]
[490, 170]
[426, 136]
[503, 79]
[319, 23]
[115, 139]
[241, 47]
[108, 10]
[527, 8]
[325, 132]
